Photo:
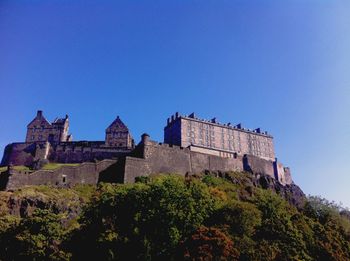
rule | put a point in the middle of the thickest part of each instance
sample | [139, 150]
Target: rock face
[291, 192]
[25, 206]
[67, 201]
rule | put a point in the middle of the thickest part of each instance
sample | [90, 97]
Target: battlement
[173, 118]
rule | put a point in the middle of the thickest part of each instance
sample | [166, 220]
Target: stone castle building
[39, 130]
[118, 135]
[214, 138]
[50, 142]
[191, 145]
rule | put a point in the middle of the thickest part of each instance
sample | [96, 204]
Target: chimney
[168, 121]
[192, 115]
[39, 114]
[176, 115]
[213, 120]
[239, 125]
[258, 130]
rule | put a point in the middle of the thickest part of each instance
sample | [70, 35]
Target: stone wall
[85, 173]
[64, 152]
[147, 158]
[77, 152]
[258, 165]
[155, 157]
[19, 154]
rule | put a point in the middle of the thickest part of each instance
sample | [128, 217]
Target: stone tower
[118, 135]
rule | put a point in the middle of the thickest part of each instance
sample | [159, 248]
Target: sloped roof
[118, 124]
[39, 117]
[58, 121]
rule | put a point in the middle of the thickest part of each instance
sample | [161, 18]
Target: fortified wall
[85, 173]
[150, 157]
[65, 152]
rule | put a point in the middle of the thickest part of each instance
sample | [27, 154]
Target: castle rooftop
[215, 122]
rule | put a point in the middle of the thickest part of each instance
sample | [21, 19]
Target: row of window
[40, 137]
[35, 129]
[116, 144]
[118, 135]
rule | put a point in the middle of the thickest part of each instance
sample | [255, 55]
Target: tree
[35, 238]
[143, 220]
[208, 244]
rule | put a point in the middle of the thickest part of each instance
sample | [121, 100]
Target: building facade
[47, 141]
[118, 135]
[211, 137]
[40, 130]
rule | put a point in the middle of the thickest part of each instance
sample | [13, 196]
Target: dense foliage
[168, 217]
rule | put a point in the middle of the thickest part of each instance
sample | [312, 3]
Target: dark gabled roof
[41, 117]
[58, 121]
[117, 123]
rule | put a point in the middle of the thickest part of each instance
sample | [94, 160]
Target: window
[33, 137]
[64, 179]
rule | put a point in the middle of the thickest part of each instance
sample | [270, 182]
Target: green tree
[141, 221]
[35, 238]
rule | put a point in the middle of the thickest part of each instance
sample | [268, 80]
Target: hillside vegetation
[168, 217]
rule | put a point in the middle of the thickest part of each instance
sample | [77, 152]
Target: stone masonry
[210, 134]
[51, 142]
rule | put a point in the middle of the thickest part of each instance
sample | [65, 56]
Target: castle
[50, 142]
[191, 145]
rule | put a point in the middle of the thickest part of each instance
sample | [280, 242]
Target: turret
[145, 138]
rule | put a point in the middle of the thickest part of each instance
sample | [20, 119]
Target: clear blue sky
[283, 66]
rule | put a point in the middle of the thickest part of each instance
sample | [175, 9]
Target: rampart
[85, 173]
[151, 157]
[63, 152]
